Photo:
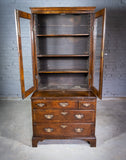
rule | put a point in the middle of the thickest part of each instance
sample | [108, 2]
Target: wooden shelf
[63, 25]
[64, 71]
[67, 55]
[62, 35]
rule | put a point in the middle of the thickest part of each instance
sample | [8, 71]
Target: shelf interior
[65, 87]
[63, 64]
[65, 55]
[62, 24]
[63, 81]
[62, 46]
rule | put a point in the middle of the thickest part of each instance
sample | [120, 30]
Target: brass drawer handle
[79, 130]
[40, 104]
[86, 104]
[48, 130]
[63, 126]
[63, 104]
[79, 116]
[48, 116]
[64, 113]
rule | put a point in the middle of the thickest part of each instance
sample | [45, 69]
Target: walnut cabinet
[67, 49]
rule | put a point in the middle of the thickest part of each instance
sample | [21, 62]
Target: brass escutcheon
[86, 104]
[63, 126]
[48, 116]
[64, 113]
[48, 129]
[79, 130]
[79, 116]
[63, 104]
[40, 104]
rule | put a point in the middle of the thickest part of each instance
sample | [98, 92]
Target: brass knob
[48, 130]
[86, 104]
[40, 104]
[48, 116]
[79, 116]
[64, 113]
[63, 126]
[79, 130]
[63, 104]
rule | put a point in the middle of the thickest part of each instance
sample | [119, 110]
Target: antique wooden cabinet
[67, 45]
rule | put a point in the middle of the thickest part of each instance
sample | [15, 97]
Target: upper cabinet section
[62, 10]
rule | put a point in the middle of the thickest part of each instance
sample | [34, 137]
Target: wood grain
[58, 130]
[64, 94]
[69, 117]
[60, 10]
[51, 104]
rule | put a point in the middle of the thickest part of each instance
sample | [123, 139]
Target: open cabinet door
[98, 52]
[24, 42]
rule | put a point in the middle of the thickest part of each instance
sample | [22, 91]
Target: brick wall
[115, 44]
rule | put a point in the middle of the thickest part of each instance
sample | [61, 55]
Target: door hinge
[89, 76]
[36, 76]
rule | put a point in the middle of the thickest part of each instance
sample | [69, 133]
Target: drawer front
[55, 104]
[78, 116]
[87, 105]
[63, 129]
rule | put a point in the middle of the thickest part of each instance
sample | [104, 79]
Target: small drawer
[39, 104]
[87, 105]
[75, 116]
[63, 129]
[55, 104]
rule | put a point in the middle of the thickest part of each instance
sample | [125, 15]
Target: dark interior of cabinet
[63, 50]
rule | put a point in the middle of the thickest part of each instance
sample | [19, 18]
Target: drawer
[63, 129]
[75, 116]
[87, 105]
[55, 104]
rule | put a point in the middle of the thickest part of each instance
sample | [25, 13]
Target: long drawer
[55, 104]
[63, 129]
[75, 116]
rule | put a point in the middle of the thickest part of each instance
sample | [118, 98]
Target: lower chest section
[65, 118]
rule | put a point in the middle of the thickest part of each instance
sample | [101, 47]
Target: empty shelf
[67, 55]
[64, 71]
[62, 35]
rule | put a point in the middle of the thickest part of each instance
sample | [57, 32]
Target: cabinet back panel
[63, 81]
[62, 45]
[62, 24]
[63, 63]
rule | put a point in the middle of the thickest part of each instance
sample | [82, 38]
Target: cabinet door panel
[24, 37]
[98, 52]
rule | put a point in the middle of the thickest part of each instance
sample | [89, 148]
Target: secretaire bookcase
[67, 45]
